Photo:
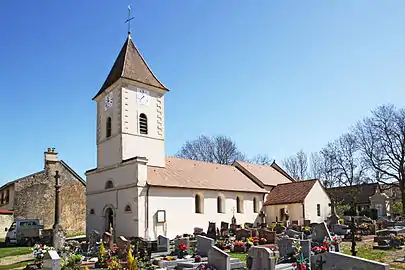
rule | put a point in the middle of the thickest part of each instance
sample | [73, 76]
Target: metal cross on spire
[128, 21]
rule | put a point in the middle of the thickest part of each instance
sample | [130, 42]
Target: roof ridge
[202, 161]
[300, 181]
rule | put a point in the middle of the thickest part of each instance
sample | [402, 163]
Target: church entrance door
[109, 219]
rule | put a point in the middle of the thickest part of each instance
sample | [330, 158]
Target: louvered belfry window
[143, 124]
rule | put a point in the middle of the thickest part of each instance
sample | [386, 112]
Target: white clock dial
[143, 96]
[108, 101]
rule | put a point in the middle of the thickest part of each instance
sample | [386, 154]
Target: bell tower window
[143, 124]
[108, 127]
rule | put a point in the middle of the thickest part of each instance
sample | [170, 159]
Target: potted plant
[182, 249]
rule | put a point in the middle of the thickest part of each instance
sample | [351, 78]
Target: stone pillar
[58, 232]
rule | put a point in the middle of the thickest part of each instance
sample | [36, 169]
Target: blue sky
[276, 76]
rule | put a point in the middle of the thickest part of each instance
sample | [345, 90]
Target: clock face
[108, 101]
[143, 96]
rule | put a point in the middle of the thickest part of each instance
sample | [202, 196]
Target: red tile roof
[294, 192]
[6, 212]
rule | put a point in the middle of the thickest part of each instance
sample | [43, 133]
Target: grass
[16, 265]
[240, 256]
[75, 234]
[14, 251]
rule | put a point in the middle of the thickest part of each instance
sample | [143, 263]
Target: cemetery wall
[5, 221]
[317, 195]
[180, 209]
[35, 198]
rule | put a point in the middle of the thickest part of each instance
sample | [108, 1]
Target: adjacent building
[33, 196]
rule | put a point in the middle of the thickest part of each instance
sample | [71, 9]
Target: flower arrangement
[302, 263]
[319, 249]
[335, 240]
[102, 256]
[182, 247]
[206, 267]
[197, 258]
[38, 251]
[262, 241]
[326, 241]
[114, 264]
[132, 263]
[357, 236]
[182, 250]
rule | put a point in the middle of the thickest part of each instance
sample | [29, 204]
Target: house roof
[130, 65]
[294, 192]
[280, 170]
[64, 164]
[187, 173]
[360, 193]
[266, 175]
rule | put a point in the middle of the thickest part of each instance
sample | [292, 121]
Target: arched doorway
[109, 219]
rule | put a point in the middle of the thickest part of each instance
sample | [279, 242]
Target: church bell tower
[130, 112]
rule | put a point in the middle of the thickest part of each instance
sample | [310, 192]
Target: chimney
[51, 155]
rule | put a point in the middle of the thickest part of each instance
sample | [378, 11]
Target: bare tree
[216, 149]
[297, 165]
[261, 159]
[350, 168]
[328, 166]
[315, 165]
[382, 142]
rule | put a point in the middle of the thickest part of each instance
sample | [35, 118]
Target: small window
[220, 205]
[109, 184]
[91, 211]
[199, 204]
[127, 208]
[2, 198]
[6, 197]
[108, 127]
[318, 210]
[143, 124]
[255, 206]
[239, 205]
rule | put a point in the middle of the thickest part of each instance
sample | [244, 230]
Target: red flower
[182, 247]
[303, 267]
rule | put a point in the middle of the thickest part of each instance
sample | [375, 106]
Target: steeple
[131, 65]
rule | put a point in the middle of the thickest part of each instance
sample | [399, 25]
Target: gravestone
[261, 258]
[307, 222]
[248, 225]
[108, 239]
[285, 247]
[242, 234]
[51, 261]
[123, 246]
[254, 232]
[319, 232]
[340, 229]
[270, 236]
[94, 238]
[211, 232]
[198, 230]
[183, 240]
[340, 261]
[219, 259]
[204, 244]
[163, 244]
[294, 234]
[224, 226]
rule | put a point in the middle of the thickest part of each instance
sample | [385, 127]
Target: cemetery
[231, 246]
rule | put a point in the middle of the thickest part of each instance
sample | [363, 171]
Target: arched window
[109, 184]
[108, 127]
[91, 211]
[255, 205]
[220, 205]
[239, 205]
[143, 124]
[128, 208]
[199, 204]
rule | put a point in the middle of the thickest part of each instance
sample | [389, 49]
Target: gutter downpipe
[303, 213]
[147, 212]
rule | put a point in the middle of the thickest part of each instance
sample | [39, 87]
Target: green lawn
[14, 251]
[15, 265]
[240, 256]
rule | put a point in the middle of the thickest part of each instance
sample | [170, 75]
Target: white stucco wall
[295, 212]
[180, 209]
[317, 195]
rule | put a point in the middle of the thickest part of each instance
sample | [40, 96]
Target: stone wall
[35, 198]
[5, 222]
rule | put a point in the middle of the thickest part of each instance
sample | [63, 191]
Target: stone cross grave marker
[219, 259]
[51, 261]
[163, 244]
[204, 244]
[108, 238]
[261, 258]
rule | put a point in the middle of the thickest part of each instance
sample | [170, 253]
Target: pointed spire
[131, 65]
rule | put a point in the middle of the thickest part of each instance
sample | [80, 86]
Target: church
[136, 189]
